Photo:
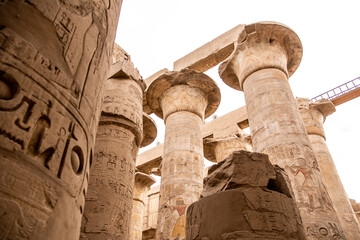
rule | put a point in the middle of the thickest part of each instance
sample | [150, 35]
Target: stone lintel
[214, 148]
[259, 46]
[149, 130]
[314, 114]
[147, 161]
[220, 127]
[324, 106]
[119, 54]
[155, 76]
[226, 125]
[148, 81]
[212, 53]
[123, 68]
[187, 77]
[142, 184]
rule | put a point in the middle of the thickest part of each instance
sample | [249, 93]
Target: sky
[156, 33]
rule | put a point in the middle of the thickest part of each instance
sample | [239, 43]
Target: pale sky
[156, 33]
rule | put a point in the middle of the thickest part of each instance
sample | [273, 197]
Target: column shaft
[109, 201]
[335, 188]
[137, 216]
[54, 59]
[278, 130]
[182, 99]
[181, 174]
[141, 186]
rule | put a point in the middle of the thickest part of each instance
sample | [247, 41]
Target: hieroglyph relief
[54, 56]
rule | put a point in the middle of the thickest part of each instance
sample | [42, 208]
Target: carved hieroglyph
[54, 59]
[142, 185]
[110, 196]
[244, 197]
[182, 99]
[314, 114]
[266, 55]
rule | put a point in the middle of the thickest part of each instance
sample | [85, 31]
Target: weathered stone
[150, 159]
[182, 99]
[314, 114]
[238, 203]
[220, 127]
[210, 54]
[149, 130]
[54, 60]
[266, 55]
[217, 149]
[141, 186]
[148, 81]
[123, 67]
[356, 208]
[259, 46]
[110, 197]
[241, 168]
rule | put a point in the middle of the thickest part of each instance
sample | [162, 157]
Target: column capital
[142, 184]
[185, 90]
[314, 114]
[259, 46]
[122, 105]
[149, 130]
[217, 149]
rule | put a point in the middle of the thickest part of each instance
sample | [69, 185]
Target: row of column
[265, 56]
[54, 60]
[50, 108]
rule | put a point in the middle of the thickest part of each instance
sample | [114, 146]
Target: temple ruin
[75, 112]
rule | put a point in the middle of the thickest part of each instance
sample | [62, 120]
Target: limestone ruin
[75, 111]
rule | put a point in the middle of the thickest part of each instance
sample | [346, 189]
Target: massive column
[182, 99]
[110, 196]
[142, 185]
[218, 148]
[54, 60]
[142, 182]
[266, 55]
[314, 114]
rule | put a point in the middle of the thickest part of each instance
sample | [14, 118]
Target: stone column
[142, 182]
[218, 148]
[149, 130]
[142, 185]
[54, 60]
[314, 114]
[266, 55]
[109, 201]
[182, 99]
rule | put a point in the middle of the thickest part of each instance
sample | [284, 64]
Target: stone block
[244, 213]
[241, 168]
[212, 53]
[245, 198]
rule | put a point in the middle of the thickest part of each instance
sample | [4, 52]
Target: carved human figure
[54, 60]
[313, 115]
[120, 133]
[182, 99]
[266, 55]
